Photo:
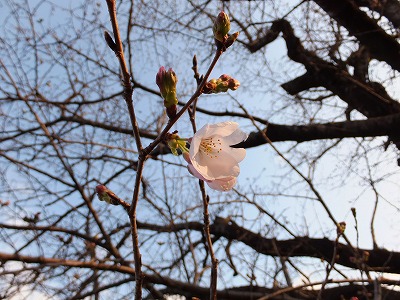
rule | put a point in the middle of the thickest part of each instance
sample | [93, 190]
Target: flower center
[211, 147]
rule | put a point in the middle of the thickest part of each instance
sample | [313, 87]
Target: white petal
[229, 130]
[224, 165]
[222, 129]
[219, 162]
[238, 153]
[223, 184]
[236, 137]
[196, 140]
[195, 173]
[202, 166]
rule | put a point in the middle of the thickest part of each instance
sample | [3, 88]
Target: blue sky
[263, 171]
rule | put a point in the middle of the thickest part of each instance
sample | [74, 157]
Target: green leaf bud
[221, 27]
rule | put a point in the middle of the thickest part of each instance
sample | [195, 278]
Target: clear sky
[263, 171]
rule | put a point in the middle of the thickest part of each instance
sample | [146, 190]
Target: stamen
[211, 147]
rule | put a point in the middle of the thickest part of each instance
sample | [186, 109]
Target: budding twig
[128, 92]
[339, 232]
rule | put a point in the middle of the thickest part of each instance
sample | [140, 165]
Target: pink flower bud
[233, 84]
[106, 195]
[225, 77]
[166, 81]
[210, 87]
[101, 191]
[160, 81]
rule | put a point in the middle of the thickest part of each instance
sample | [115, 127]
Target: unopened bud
[233, 84]
[354, 212]
[166, 81]
[224, 77]
[341, 227]
[106, 195]
[110, 42]
[221, 27]
[4, 203]
[210, 86]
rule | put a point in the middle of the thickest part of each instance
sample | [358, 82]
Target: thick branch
[381, 45]
[183, 288]
[391, 10]
[379, 259]
[369, 99]
[157, 279]
[380, 126]
[388, 8]
[301, 83]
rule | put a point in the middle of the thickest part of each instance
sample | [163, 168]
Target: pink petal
[223, 184]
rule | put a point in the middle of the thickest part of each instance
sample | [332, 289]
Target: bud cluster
[166, 81]
[221, 85]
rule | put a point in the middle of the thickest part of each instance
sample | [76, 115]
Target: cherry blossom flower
[211, 157]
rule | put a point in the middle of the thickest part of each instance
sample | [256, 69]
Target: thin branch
[329, 268]
[214, 261]
[205, 198]
[128, 92]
